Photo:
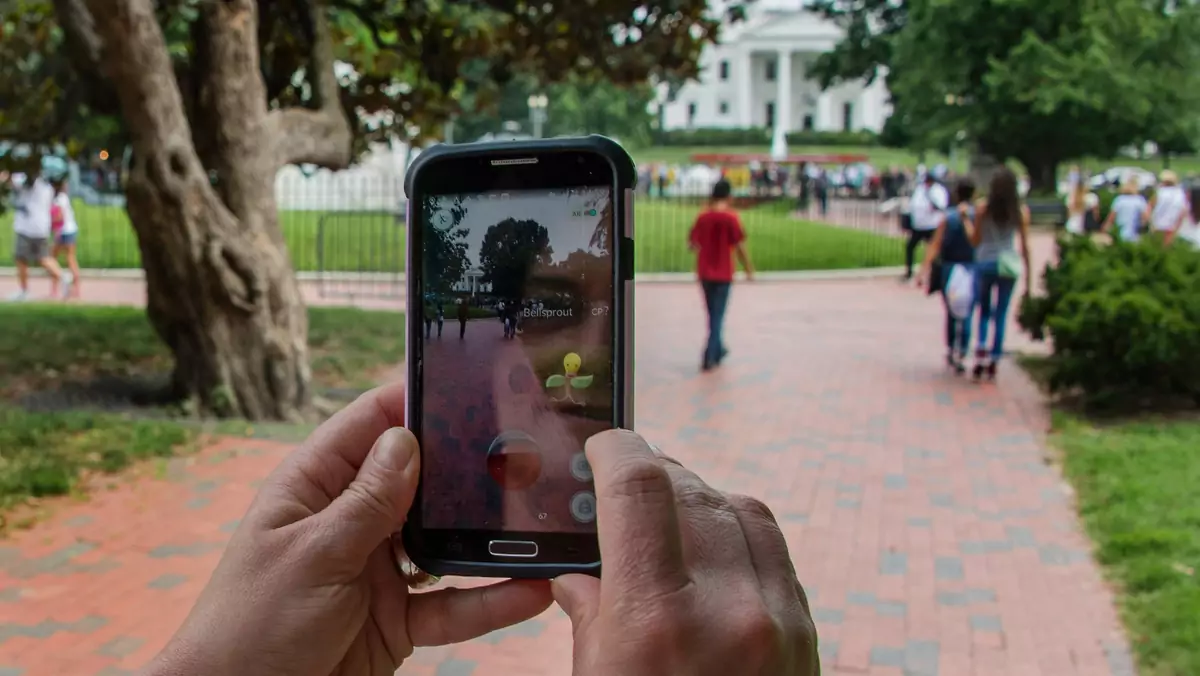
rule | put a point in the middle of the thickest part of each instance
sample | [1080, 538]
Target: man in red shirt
[716, 237]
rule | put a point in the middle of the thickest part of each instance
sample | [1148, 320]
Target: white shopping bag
[960, 291]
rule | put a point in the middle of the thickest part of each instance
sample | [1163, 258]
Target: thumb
[376, 503]
[579, 597]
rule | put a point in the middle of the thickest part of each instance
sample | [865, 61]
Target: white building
[756, 77]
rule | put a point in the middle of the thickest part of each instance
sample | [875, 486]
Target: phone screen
[517, 356]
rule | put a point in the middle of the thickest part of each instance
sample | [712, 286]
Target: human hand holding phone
[694, 582]
[314, 554]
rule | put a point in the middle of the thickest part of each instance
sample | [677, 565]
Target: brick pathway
[931, 534]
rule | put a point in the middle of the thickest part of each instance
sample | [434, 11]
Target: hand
[694, 581]
[964, 209]
[919, 280]
[308, 584]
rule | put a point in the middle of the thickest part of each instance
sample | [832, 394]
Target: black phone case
[626, 173]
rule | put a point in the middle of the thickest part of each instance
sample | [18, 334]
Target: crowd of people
[45, 231]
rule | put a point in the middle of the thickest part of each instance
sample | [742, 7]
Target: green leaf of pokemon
[582, 382]
[556, 381]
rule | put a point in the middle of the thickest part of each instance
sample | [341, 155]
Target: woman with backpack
[1083, 207]
[952, 250]
[1001, 220]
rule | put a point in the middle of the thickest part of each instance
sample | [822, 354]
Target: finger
[376, 502]
[713, 539]
[329, 460]
[770, 557]
[640, 541]
[579, 597]
[450, 616]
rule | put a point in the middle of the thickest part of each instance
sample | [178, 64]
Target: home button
[513, 548]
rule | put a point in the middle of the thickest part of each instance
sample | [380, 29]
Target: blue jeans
[716, 299]
[987, 280]
[958, 331]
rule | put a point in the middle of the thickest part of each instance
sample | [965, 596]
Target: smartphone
[519, 348]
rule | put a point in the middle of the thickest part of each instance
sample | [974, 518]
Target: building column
[825, 112]
[744, 73]
[783, 103]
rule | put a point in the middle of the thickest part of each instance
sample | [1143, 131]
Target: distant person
[821, 188]
[1129, 212]
[429, 314]
[464, 313]
[951, 245]
[1001, 218]
[66, 232]
[717, 237]
[33, 198]
[1169, 206]
[441, 318]
[1083, 206]
[928, 201]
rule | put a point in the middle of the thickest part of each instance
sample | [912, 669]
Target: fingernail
[396, 449]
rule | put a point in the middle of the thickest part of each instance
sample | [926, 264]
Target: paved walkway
[930, 532]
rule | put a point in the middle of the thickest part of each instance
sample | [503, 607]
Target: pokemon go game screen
[517, 357]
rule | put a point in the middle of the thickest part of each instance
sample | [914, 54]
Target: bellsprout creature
[571, 380]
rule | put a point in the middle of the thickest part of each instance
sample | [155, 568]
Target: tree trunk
[1043, 175]
[220, 288]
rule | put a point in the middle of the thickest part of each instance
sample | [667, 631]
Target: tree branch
[84, 45]
[320, 135]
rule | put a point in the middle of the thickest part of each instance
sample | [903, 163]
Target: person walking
[464, 313]
[34, 198]
[66, 233]
[926, 206]
[1000, 220]
[951, 245]
[1129, 212]
[1083, 206]
[1169, 207]
[717, 237]
[441, 317]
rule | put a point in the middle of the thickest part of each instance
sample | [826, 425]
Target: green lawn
[1137, 485]
[42, 344]
[883, 157]
[370, 242]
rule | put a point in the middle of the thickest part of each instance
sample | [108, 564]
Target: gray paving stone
[114, 671]
[167, 581]
[952, 598]
[891, 608]
[974, 596]
[895, 481]
[828, 615]
[795, 517]
[79, 521]
[920, 522]
[859, 598]
[120, 647]
[456, 667]
[884, 656]
[1120, 662]
[10, 594]
[11, 671]
[526, 629]
[985, 547]
[230, 526]
[893, 563]
[941, 500]
[990, 623]
[948, 568]
[828, 650]
[1021, 536]
[849, 503]
[193, 550]
[198, 503]
[206, 486]
[921, 658]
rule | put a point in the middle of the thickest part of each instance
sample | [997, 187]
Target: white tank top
[1169, 204]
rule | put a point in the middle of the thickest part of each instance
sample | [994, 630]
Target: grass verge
[45, 454]
[1135, 483]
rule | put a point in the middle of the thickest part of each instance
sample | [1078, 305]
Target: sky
[552, 209]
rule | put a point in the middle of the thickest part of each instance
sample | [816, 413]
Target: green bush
[1124, 322]
[754, 136]
[761, 136]
[833, 138]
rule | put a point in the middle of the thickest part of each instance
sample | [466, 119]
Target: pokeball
[514, 461]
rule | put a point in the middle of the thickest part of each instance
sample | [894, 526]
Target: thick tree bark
[220, 287]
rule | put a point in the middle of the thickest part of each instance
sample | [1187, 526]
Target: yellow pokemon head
[571, 363]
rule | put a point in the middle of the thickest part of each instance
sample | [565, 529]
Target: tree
[444, 246]
[510, 252]
[1041, 81]
[216, 95]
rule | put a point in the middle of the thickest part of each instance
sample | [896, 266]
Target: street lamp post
[537, 112]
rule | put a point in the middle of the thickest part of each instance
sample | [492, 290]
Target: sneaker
[67, 280]
[991, 370]
[18, 296]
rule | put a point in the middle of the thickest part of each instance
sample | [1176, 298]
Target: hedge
[761, 136]
[1123, 320]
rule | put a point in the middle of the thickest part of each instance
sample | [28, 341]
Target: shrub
[1124, 321]
[761, 136]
